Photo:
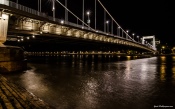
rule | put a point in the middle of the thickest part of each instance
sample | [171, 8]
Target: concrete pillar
[3, 23]
[3, 27]
[5, 2]
[143, 40]
[154, 43]
[11, 58]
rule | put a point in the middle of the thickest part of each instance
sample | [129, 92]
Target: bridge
[19, 23]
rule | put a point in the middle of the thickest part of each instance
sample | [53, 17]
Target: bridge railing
[26, 9]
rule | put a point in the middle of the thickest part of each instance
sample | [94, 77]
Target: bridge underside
[62, 43]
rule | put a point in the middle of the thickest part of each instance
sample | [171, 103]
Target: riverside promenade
[15, 97]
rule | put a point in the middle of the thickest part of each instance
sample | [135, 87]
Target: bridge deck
[14, 97]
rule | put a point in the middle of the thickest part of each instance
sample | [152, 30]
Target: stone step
[15, 97]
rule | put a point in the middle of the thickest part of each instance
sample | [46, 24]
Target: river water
[100, 81]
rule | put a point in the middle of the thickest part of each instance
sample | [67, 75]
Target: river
[100, 81]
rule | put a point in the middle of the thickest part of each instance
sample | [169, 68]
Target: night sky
[144, 18]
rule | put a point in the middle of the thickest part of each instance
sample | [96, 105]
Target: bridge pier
[11, 58]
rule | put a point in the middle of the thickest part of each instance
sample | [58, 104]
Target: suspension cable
[113, 18]
[75, 15]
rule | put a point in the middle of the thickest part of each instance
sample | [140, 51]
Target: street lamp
[118, 30]
[88, 21]
[138, 38]
[39, 6]
[133, 35]
[127, 31]
[53, 9]
[17, 3]
[107, 22]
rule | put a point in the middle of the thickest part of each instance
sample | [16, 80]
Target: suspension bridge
[20, 23]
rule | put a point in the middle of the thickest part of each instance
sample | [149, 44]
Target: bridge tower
[153, 41]
[4, 18]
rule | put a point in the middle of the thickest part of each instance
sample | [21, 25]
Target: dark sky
[149, 17]
[144, 17]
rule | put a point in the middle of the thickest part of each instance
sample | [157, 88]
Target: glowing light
[4, 16]
[162, 72]
[62, 21]
[88, 12]
[128, 57]
[53, 8]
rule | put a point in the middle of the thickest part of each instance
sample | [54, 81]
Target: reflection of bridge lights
[22, 39]
[162, 72]
[18, 40]
[28, 38]
[163, 47]
[33, 36]
[128, 57]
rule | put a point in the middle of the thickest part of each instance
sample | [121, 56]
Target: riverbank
[14, 97]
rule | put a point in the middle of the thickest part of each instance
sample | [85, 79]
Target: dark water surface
[101, 82]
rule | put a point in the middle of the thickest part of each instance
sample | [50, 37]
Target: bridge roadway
[26, 21]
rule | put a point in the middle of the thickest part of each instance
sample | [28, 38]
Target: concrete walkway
[14, 97]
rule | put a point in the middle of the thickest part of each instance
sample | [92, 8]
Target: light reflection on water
[100, 82]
